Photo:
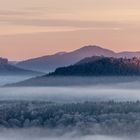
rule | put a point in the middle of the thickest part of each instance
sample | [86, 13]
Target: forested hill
[104, 66]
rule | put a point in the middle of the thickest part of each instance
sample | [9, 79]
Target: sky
[41, 27]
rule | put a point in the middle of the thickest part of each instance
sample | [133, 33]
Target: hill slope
[101, 66]
[7, 69]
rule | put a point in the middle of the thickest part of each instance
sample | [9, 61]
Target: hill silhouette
[8, 69]
[101, 66]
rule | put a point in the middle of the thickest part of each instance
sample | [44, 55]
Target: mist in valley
[82, 89]
[96, 90]
[69, 94]
[41, 134]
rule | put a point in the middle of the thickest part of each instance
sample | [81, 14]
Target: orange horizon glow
[35, 28]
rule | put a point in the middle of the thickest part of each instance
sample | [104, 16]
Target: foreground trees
[88, 117]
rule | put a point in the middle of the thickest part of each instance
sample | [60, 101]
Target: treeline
[103, 66]
[88, 117]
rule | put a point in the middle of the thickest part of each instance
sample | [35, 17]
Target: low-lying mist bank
[71, 94]
[59, 81]
[42, 134]
[87, 118]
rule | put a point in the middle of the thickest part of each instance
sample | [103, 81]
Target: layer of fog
[69, 94]
[102, 88]
[41, 134]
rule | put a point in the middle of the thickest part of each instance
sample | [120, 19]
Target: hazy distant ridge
[51, 62]
[7, 69]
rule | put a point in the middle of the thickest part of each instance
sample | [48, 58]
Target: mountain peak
[60, 53]
[93, 47]
[95, 50]
[88, 48]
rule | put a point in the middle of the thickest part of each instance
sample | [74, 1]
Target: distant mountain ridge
[7, 69]
[128, 54]
[50, 62]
